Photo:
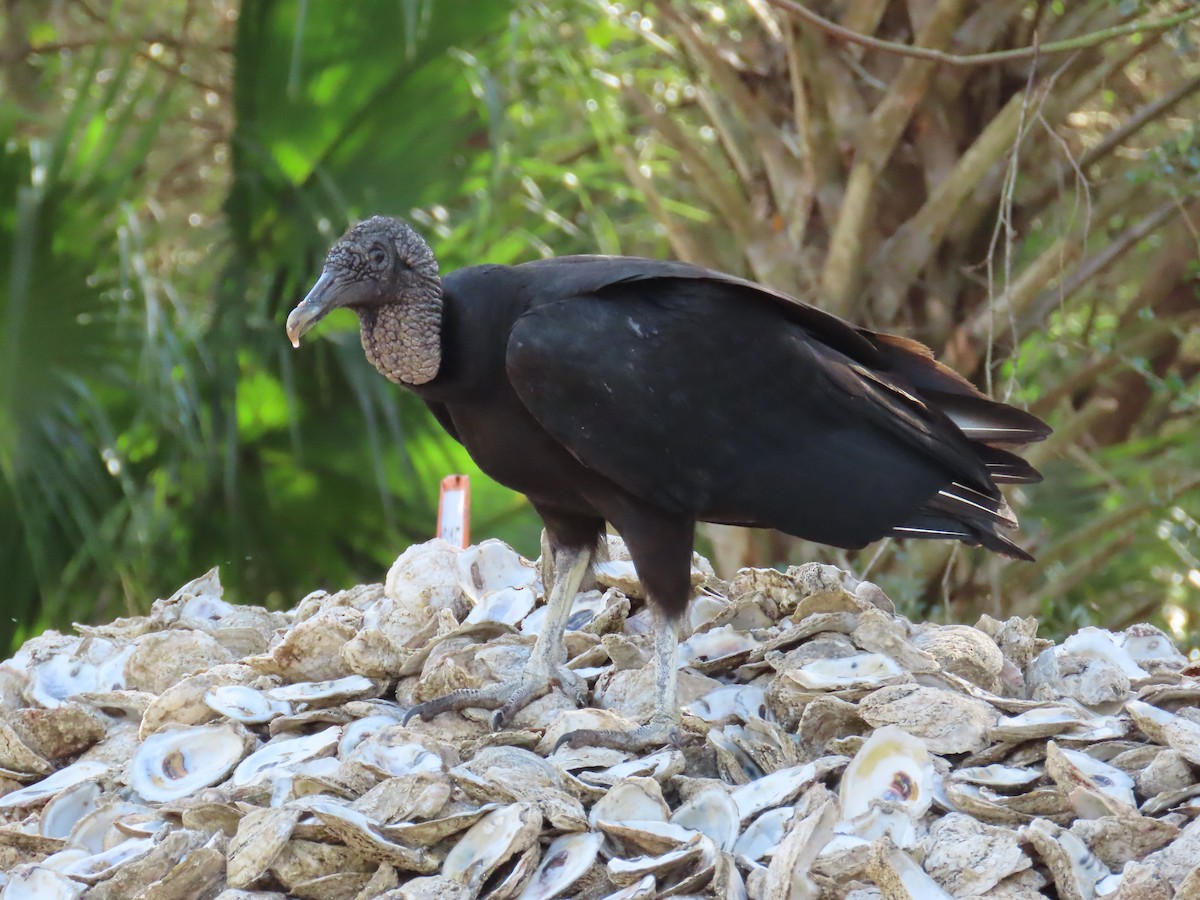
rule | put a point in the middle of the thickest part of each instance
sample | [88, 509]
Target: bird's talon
[567, 739]
[644, 737]
[507, 698]
[574, 687]
[429, 709]
[466, 698]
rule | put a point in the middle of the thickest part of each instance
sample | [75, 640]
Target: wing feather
[700, 398]
[707, 394]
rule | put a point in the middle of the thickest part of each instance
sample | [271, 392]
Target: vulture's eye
[378, 256]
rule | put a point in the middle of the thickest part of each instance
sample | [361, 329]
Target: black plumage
[652, 395]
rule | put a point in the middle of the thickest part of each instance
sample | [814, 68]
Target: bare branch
[1093, 265]
[682, 243]
[832, 84]
[863, 16]
[710, 102]
[730, 206]
[1058, 105]
[909, 250]
[1159, 335]
[842, 271]
[1115, 138]
[1029, 299]
[1083, 547]
[716, 67]
[762, 11]
[1077, 18]
[843, 267]
[1018, 296]
[812, 128]
[982, 28]
[936, 55]
[1068, 432]
[783, 171]
[1084, 560]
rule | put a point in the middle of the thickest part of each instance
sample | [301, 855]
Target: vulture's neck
[403, 340]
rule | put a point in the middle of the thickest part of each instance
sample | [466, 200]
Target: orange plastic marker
[454, 510]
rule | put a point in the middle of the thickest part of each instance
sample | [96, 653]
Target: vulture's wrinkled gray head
[387, 274]
[379, 261]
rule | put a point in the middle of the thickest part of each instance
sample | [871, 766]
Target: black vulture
[653, 395]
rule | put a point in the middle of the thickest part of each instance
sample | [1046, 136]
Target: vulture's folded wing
[703, 396]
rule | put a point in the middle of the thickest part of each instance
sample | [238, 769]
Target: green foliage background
[170, 178]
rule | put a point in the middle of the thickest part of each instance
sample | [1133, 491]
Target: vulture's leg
[663, 727]
[547, 662]
[662, 555]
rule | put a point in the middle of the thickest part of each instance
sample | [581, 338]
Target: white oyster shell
[98, 830]
[323, 693]
[32, 882]
[997, 775]
[715, 644]
[61, 814]
[713, 812]
[172, 764]
[658, 766]
[860, 670]
[62, 676]
[892, 766]
[898, 875]
[773, 790]
[586, 606]
[1099, 643]
[361, 834]
[626, 871]
[762, 836]
[1095, 788]
[788, 872]
[244, 704]
[743, 701]
[1178, 733]
[619, 574]
[1075, 869]
[359, 730]
[261, 835]
[634, 798]
[492, 566]
[649, 838]
[507, 605]
[566, 860]
[280, 754]
[100, 865]
[642, 889]
[1044, 721]
[495, 838]
[1146, 644]
[77, 772]
[390, 760]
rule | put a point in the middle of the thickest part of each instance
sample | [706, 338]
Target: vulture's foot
[663, 728]
[533, 684]
[507, 698]
[658, 732]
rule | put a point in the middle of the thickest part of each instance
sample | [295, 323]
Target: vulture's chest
[508, 444]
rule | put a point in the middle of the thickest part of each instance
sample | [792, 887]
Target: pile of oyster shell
[830, 749]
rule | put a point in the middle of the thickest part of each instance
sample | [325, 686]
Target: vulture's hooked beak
[322, 299]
